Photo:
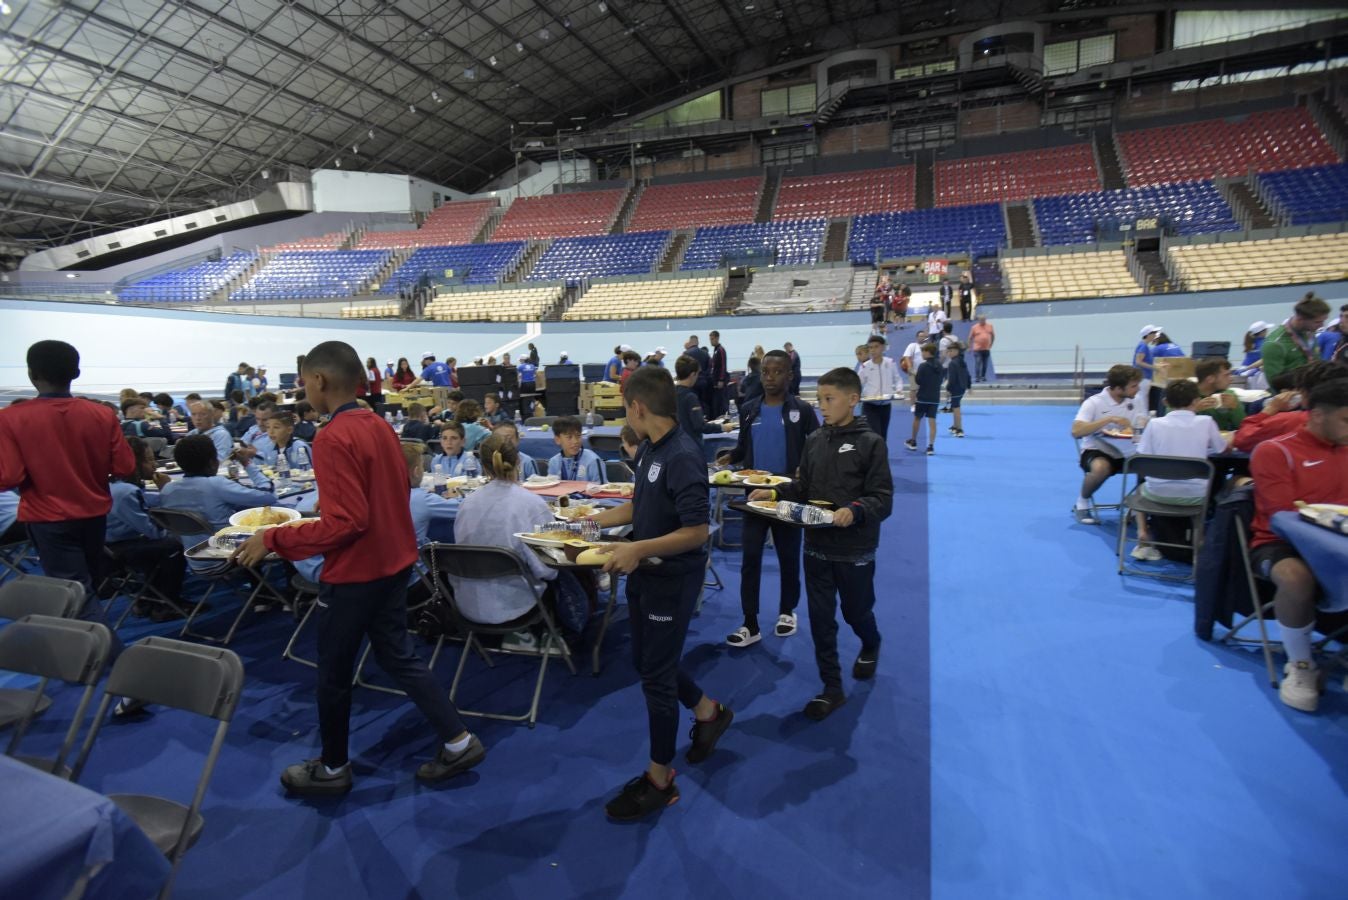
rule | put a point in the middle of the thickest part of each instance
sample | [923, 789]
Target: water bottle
[803, 513]
[471, 470]
[388, 417]
[282, 469]
[585, 529]
[734, 413]
[233, 470]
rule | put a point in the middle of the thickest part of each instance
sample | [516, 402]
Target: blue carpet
[1040, 728]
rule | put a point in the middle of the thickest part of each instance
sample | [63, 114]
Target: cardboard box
[1172, 368]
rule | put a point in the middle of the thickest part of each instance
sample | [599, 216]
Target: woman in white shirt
[1179, 433]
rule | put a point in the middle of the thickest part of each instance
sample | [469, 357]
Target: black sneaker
[447, 765]
[911, 445]
[310, 778]
[864, 667]
[822, 707]
[640, 797]
[931, 451]
[705, 734]
[959, 432]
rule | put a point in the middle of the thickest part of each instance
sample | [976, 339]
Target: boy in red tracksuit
[369, 546]
[60, 452]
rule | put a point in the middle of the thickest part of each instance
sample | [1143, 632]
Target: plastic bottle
[470, 467]
[282, 469]
[585, 529]
[388, 417]
[734, 413]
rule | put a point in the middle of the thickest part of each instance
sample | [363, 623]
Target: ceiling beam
[579, 35]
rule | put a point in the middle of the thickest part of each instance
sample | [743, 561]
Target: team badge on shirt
[654, 472]
[794, 415]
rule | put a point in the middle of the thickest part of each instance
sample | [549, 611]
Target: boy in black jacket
[926, 397]
[847, 465]
[773, 431]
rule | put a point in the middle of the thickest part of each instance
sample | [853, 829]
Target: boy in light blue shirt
[205, 492]
[281, 436]
[137, 541]
[574, 463]
[450, 462]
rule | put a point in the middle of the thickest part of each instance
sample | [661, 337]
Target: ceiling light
[748, 7]
[492, 60]
[355, 151]
[470, 73]
[544, 34]
[68, 274]
[519, 47]
[435, 95]
[370, 134]
[566, 23]
[603, 7]
[266, 173]
[338, 162]
[4, 8]
[411, 107]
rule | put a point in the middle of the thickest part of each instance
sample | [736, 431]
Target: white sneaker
[1300, 688]
[605, 583]
[523, 641]
[786, 625]
[1146, 553]
[741, 637]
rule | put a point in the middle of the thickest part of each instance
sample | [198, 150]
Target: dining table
[1324, 550]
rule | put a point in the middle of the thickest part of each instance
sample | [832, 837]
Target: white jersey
[1101, 405]
[879, 379]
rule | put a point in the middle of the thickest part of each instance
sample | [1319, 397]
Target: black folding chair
[164, 672]
[28, 596]
[617, 471]
[12, 558]
[1167, 467]
[68, 650]
[606, 445]
[471, 563]
[536, 421]
[137, 584]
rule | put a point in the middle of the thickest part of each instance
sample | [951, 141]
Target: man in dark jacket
[693, 348]
[846, 466]
[691, 418]
[720, 376]
[795, 367]
[772, 437]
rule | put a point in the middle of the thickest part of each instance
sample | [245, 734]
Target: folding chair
[359, 678]
[157, 445]
[136, 584]
[181, 523]
[28, 596]
[304, 590]
[473, 563]
[68, 650]
[607, 445]
[1169, 467]
[711, 578]
[164, 672]
[12, 558]
[617, 471]
[536, 421]
[1095, 507]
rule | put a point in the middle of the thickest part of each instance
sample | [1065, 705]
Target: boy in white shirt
[879, 378]
[1179, 433]
[912, 355]
[936, 317]
[1113, 407]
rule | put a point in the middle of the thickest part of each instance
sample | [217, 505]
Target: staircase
[1020, 226]
[734, 293]
[768, 198]
[624, 216]
[1157, 279]
[1331, 121]
[489, 226]
[991, 291]
[1246, 204]
[926, 179]
[396, 259]
[527, 261]
[835, 240]
[830, 102]
[1029, 79]
[1107, 158]
[675, 250]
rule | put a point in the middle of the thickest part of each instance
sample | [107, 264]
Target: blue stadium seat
[1308, 196]
[195, 284]
[977, 230]
[1191, 207]
[573, 259]
[484, 263]
[795, 243]
[313, 275]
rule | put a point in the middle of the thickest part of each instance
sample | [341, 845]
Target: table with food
[1319, 532]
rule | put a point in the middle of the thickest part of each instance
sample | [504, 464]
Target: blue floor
[1039, 728]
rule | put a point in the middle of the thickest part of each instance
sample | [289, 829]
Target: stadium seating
[572, 259]
[521, 305]
[560, 215]
[1242, 264]
[846, 194]
[1064, 275]
[1016, 176]
[451, 223]
[484, 263]
[333, 240]
[1307, 196]
[310, 275]
[1195, 207]
[793, 243]
[195, 284]
[976, 230]
[1261, 142]
[371, 311]
[698, 203]
[816, 290]
[664, 299]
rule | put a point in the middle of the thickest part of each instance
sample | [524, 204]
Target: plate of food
[1118, 434]
[612, 489]
[265, 516]
[745, 474]
[762, 481]
[545, 538]
[302, 475]
[575, 511]
[1333, 516]
[769, 506]
[542, 481]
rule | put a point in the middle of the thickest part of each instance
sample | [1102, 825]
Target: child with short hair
[879, 378]
[449, 462]
[467, 414]
[281, 433]
[203, 490]
[957, 383]
[631, 444]
[669, 515]
[135, 423]
[925, 395]
[306, 426]
[492, 410]
[574, 463]
[846, 465]
[369, 546]
[137, 541]
[60, 452]
[418, 426]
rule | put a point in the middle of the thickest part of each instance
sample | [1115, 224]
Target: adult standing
[1330, 341]
[947, 295]
[1292, 344]
[436, 374]
[981, 338]
[936, 317]
[1143, 359]
[613, 369]
[702, 386]
[376, 378]
[402, 375]
[533, 355]
[966, 297]
[238, 381]
[657, 357]
[795, 366]
[1252, 364]
[720, 376]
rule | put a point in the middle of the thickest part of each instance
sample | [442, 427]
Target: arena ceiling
[121, 111]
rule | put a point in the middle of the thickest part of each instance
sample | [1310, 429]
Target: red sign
[936, 267]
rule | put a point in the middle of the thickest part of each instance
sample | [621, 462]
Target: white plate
[302, 475]
[559, 541]
[290, 514]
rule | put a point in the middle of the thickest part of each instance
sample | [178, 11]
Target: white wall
[338, 191]
[423, 194]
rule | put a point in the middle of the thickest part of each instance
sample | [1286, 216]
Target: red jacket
[1261, 426]
[365, 532]
[60, 453]
[1296, 466]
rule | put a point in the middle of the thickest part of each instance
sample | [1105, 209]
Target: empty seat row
[333, 240]
[676, 298]
[1307, 196]
[846, 194]
[523, 305]
[1068, 275]
[371, 311]
[1016, 176]
[1194, 207]
[560, 215]
[193, 284]
[782, 243]
[574, 259]
[1273, 261]
[817, 290]
[303, 275]
[974, 230]
[476, 263]
[1219, 148]
[692, 204]
[450, 223]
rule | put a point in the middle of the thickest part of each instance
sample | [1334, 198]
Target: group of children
[368, 539]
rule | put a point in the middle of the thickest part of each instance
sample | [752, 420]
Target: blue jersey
[437, 374]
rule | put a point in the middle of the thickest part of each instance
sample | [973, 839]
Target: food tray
[746, 507]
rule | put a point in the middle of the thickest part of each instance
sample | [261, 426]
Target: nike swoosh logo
[1308, 463]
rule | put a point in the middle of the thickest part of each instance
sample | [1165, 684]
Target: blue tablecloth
[54, 833]
[1325, 551]
[442, 524]
[540, 445]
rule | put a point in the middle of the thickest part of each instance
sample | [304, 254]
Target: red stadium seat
[731, 201]
[560, 215]
[1017, 176]
[846, 194]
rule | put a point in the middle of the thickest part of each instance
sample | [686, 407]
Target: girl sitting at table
[491, 516]
[404, 375]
